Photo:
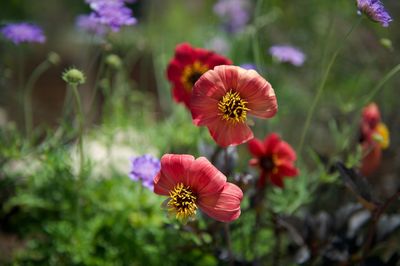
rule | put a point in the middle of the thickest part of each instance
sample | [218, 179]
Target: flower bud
[53, 58]
[74, 76]
[114, 61]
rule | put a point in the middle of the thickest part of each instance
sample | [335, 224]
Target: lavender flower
[144, 169]
[23, 32]
[375, 10]
[234, 13]
[248, 66]
[112, 14]
[287, 53]
[91, 25]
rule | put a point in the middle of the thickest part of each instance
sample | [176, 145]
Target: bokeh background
[122, 222]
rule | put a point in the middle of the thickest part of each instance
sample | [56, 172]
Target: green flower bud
[114, 61]
[73, 76]
[53, 58]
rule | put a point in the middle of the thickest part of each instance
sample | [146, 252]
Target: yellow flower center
[182, 202]
[381, 135]
[191, 73]
[233, 107]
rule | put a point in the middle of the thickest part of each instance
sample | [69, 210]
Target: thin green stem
[80, 132]
[322, 86]
[37, 72]
[79, 182]
[377, 88]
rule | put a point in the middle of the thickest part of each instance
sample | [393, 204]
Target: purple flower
[234, 13]
[287, 53]
[144, 169]
[248, 66]
[111, 13]
[23, 32]
[91, 25]
[375, 10]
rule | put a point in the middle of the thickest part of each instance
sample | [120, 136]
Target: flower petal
[173, 169]
[258, 93]
[286, 168]
[270, 142]
[256, 147]
[277, 180]
[284, 151]
[162, 184]
[225, 133]
[204, 178]
[224, 206]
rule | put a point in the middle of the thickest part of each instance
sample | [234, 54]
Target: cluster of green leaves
[65, 221]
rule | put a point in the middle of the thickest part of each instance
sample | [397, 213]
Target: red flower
[223, 97]
[187, 66]
[374, 138]
[275, 157]
[191, 183]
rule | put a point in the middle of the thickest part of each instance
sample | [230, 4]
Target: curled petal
[224, 206]
[372, 158]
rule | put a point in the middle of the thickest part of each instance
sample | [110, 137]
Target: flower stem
[79, 182]
[229, 244]
[80, 132]
[322, 86]
[37, 72]
[386, 78]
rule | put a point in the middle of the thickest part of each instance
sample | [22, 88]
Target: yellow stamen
[381, 135]
[233, 107]
[191, 73]
[182, 202]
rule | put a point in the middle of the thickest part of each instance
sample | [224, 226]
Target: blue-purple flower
[288, 54]
[375, 10]
[144, 168]
[234, 13]
[106, 14]
[90, 24]
[248, 66]
[23, 32]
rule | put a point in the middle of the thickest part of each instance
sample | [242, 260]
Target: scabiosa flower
[234, 14]
[274, 157]
[222, 98]
[90, 24]
[113, 14]
[188, 64]
[375, 10]
[288, 54]
[191, 184]
[23, 32]
[144, 168]
[248, 66]
[374, 138]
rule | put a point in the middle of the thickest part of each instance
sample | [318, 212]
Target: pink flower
[223, 97]
[192, 184]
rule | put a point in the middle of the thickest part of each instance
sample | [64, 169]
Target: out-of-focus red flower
[188, 64]
[192, 184]
[223, 97]
[274, 157]
[374, 138]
